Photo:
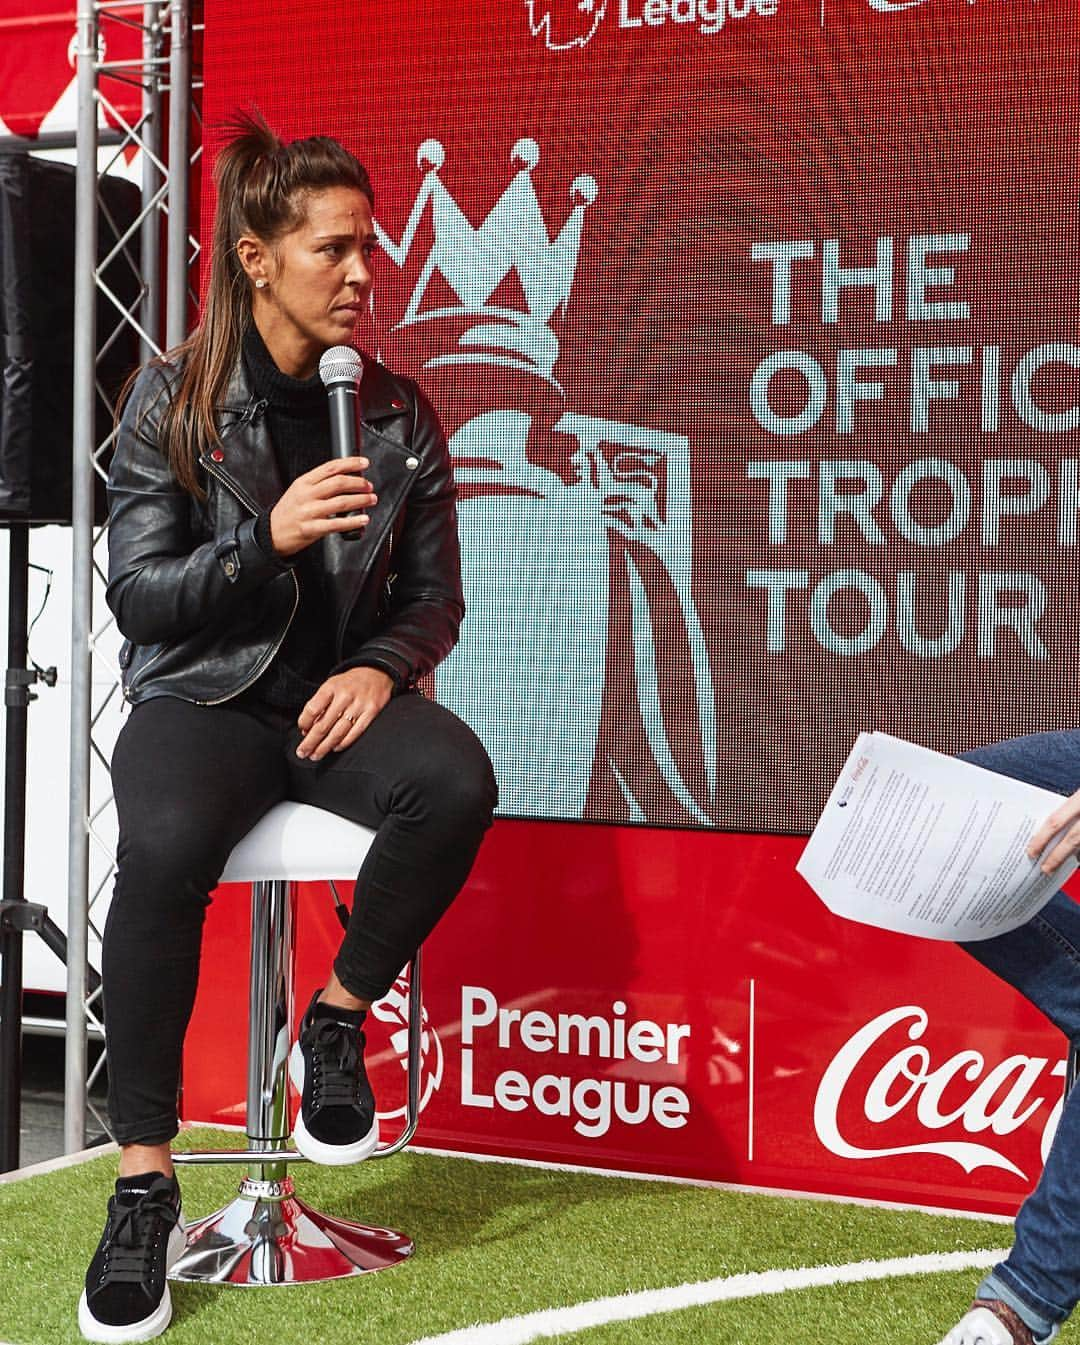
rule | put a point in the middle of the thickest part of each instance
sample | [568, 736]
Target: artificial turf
[496, 1240]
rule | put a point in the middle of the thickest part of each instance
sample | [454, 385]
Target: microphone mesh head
[340, 364]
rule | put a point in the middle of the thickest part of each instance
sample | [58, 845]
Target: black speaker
[37, 275]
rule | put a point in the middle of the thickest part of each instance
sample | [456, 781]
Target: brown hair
[262, 184]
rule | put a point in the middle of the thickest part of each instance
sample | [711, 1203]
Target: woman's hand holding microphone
[317, 504]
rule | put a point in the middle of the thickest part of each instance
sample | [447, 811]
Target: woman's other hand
[1065, 819]
[315, 503]
[341, 710]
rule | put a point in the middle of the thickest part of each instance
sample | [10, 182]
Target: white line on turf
[551, 1322]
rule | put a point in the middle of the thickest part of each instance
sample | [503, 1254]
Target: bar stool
[266, 1235]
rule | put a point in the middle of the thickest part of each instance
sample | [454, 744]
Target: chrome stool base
[267, 1236]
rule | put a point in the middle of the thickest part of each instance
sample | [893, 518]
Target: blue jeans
[1042, 960]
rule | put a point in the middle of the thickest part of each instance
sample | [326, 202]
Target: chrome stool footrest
[267, 1236]
[250, 1156]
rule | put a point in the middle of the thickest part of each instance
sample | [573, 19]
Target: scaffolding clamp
[22, 917]
[18, 681]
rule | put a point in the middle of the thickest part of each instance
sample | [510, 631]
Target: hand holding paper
[1066, 820]
[922, 843]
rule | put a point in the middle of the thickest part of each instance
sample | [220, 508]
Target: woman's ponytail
[261, 186]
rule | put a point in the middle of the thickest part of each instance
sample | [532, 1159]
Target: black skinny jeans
[190, 781]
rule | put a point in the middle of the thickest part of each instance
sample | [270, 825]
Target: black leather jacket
[204, 608]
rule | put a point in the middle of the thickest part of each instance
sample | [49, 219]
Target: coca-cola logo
[907, 1092]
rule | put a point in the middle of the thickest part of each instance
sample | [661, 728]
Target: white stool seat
[297, 843]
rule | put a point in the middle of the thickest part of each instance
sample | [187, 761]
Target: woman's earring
[260, 284]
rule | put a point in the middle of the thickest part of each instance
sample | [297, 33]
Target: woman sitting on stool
[269, 656]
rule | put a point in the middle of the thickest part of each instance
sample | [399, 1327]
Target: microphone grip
[344, 408]
[344, 413]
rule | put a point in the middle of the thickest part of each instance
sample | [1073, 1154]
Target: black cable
[340, 908]
[46, 675]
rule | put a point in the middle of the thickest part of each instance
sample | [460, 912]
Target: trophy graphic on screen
[474, 263]
[582, 665]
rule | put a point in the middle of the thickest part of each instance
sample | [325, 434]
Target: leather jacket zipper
[249, 414]
[265, 662]
[129, 690]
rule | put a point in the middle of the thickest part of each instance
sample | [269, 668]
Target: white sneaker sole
[148, 1327]
[318, 1151]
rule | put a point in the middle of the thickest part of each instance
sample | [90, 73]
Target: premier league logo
[565, 23]
[582, 664]
[393, 1011]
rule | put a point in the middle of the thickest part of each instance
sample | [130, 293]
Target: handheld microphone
[341, 370]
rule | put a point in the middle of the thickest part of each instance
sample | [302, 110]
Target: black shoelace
[337, 1063]
[137, 1233]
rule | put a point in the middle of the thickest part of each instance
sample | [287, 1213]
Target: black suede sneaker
[126, 1296]
[336, 1123]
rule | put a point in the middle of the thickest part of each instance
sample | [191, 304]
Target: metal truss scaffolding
[162, 134]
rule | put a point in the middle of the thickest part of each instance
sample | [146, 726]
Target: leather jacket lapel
[245, 458]
[247, 465]
[391, 476]
[246, 461]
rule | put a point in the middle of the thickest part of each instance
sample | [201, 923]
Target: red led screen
[754, 327]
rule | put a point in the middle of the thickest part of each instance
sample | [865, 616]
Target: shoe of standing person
[992, 1322]
[126, 1295]
[336, 1123]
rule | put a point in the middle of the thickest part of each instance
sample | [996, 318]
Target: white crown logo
[475, 260]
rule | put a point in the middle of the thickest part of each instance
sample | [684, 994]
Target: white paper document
[922, 843]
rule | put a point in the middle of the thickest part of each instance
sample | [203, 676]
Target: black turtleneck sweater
[298, 420]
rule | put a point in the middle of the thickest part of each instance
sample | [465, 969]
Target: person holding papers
[953, 849]
[1024, 1300]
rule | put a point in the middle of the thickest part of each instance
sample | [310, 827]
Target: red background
[813, 124]
[817, 123]
[821, 122]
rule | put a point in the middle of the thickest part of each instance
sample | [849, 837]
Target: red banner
[679, 1003]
